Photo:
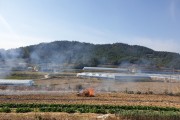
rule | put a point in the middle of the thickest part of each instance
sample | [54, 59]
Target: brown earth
[71, 83]
[55, 116]
[100, 98]
[63, 90]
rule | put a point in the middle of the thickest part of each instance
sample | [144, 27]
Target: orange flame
[89, 92]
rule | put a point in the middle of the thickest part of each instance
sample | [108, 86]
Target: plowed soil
[100, 98]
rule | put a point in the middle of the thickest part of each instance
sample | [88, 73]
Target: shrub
[170, 93]
[177, 94]
[130, 92]
[138, 92]
[150, 92]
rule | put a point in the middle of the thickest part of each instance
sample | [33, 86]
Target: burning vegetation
[89, 92]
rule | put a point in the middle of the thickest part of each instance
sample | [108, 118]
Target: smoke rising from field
[57, 57]
[10, 60]
[54, 57]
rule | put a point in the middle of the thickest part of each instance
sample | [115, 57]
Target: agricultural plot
[99, 99]
[70, 83]
[130, 112]
[119, 100]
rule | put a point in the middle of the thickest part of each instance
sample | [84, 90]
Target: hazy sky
[151, 23]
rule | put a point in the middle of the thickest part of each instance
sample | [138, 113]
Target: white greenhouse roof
[23, 82]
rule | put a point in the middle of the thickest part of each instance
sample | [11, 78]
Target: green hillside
[86, 54]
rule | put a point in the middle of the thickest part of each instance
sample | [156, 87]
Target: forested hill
[86, 54]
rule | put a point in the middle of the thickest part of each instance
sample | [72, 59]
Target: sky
[150, 23]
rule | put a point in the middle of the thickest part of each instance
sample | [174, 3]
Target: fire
[89, 92]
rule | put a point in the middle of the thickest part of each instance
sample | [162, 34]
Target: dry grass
[53, 116]
[70, 83]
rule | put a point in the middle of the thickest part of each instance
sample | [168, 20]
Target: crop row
[120, 113]
[148, 115]
[123, 112]
[87, 107]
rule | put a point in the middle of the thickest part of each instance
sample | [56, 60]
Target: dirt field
[103, 98]
[63, 90]
[71, 83]
[55, 116]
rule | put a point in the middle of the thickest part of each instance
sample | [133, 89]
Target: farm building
[125, 74]
[116, 76]
[105, 69]
[16, 82]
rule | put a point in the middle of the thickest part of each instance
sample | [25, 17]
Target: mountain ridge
[87, 54]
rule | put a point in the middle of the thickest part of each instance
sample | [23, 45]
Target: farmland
[124, 112]
[160, 112]
[55, 97]
[100, 98]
